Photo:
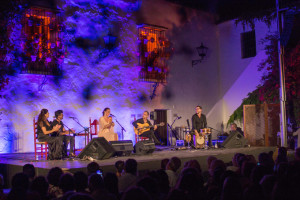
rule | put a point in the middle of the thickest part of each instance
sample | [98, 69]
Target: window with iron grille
[153, 52]
[42, 44]
[248, 44]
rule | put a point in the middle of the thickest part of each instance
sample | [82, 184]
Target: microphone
[112, 115]
[72, 117]
[179, 117]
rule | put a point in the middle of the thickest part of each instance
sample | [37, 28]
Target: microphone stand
[173, 133]
[122, 128]
[85, 129]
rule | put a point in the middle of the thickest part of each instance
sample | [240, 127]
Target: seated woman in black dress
[44, 129]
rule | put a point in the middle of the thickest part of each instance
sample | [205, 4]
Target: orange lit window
[152, 53]
[42, 44]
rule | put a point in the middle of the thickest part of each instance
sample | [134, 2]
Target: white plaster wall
[187, 86]
[238, 76]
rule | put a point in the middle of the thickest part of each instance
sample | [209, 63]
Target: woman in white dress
[106, 126]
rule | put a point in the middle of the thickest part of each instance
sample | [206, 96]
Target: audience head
[164, 163]
[119, 165]
[174, 164]
[1, 183]
[136, 193]
[190, 180]
[282, 155]
[111, 183]
[232, 189]
[66, 183]
[92, 168]
[150, 185]
[81, 181]
[216, 164]
[20, 180]
[54, 175]
[95, 182]
[131, 166]
[40, 185]
[29, 170]
[297, 154]
[80, 196]
[193, 164]
[209, 160]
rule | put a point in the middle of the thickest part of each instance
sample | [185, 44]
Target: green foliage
[237, 115]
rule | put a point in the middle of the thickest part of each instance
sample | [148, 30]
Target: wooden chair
[40, 148]
[94, 128]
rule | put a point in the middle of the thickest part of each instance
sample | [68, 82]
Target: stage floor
[12, 163]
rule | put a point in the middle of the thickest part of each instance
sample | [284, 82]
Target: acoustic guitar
[145, 127]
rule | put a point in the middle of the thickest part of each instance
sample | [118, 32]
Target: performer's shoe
[72, 155]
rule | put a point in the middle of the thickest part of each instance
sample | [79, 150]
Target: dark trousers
[54, 147]
[151, 136]
[66, 140]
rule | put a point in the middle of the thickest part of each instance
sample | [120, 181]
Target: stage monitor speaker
[98, 148]
[122, 147]
[144, 147]
[235, 140]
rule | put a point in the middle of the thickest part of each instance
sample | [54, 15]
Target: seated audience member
[234, 128]
[2, 195]
[297, 154]
[232, 189]
[266, 160]
[163, 182]
[130, 175]
[253, 192]
[177, 194]
[191, 182]
[81, 182]
[53, 179]
[19, 187]
[29, 170]
[282, 155]
[80, 196]
[111, 183]
[150, 185]
[193, 164]
[119, 165]
[40, 186]
[136, 193]
[97, 188]
[92, 168]
[164, 163]
[171, 170]
[267, 183]
[67, 183]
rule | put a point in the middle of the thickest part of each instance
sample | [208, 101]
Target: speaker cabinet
[144, 147]
[98, 148]
[122, 147]
[235, 140]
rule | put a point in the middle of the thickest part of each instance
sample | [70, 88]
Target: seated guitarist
[150, 133]
[199, 122]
